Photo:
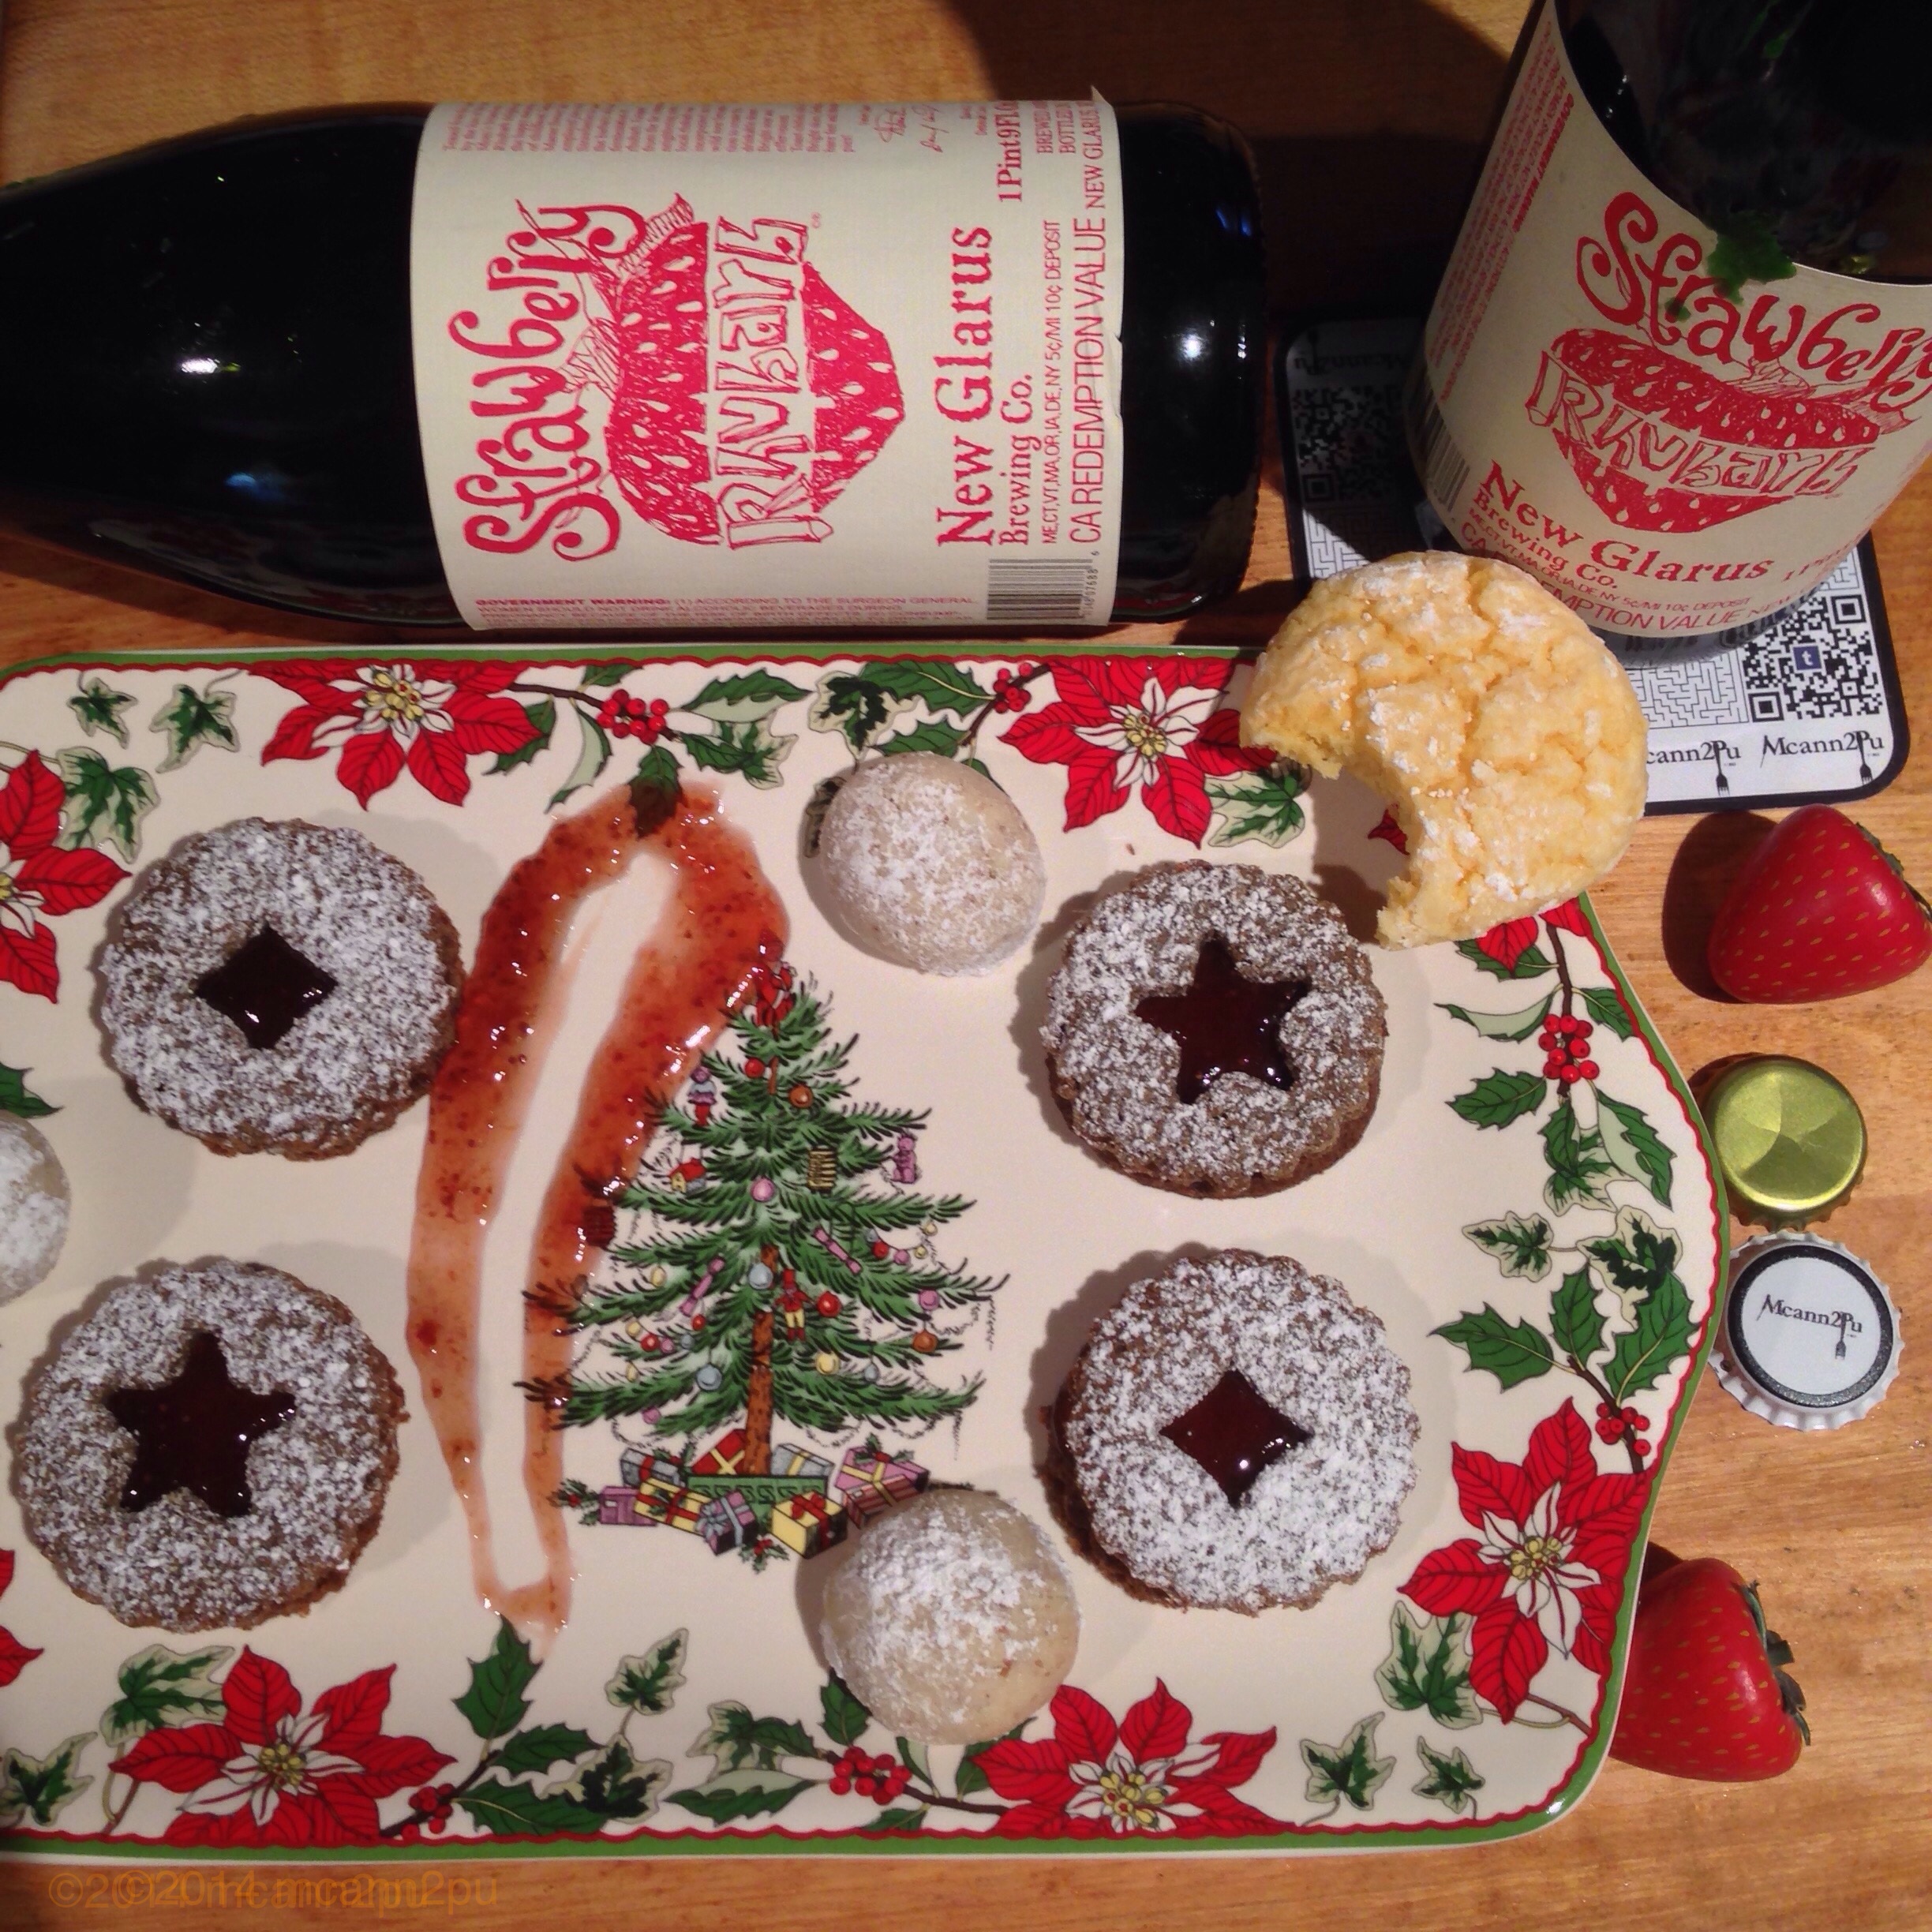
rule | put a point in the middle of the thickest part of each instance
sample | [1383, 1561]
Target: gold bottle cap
[1790, 1140]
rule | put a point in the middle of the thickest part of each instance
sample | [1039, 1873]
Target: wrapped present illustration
[789, 1459]
[639, 1468]
[727, 1521]
[625, 1507]
[680, 1508]
[809, 1522]
[870, 1479]
[725, 1457]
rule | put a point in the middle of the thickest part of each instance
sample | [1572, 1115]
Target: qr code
[1348, 444]
[1818, 658]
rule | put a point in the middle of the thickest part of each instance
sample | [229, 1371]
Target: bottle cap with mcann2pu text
[1810, 1338]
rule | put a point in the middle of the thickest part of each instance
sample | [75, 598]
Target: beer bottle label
[777, 365]
[1669, 450]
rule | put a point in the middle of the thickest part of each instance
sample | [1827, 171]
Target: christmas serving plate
[603, 1646]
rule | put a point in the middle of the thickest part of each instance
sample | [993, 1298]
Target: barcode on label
[1443, 468]
[1040, 590]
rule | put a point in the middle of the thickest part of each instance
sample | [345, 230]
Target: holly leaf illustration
[494, 1704]
[542, 716]
[1574, 1318]
[1499, 1098]
[522, 1811]
[736, 1739]
[42, 1788]
[1512, 1353]
[645, 1683]
[906, 1818]
[540, 1749]
[1632, 1144]
[1605, 1005]
[1643, 1355]
[98, 707]
[742, 700]
[593, 751]
[1509, 1026]
[1263, 805]
[607, 672]
[749, 749]
[160, 1687]
[942, 740]
[1527, 963]
[614, 1785]
[1428, 1667]
[940, 686]
[1448, 1776]
[1633, 1259]
[845, 1718]
[913, 1754]
[191, 719]
[653, 789]
[1579, 1169]
[741, 1794]
[105, 804]
[1521, 1247]
[18, 1098]
[1350, 1770]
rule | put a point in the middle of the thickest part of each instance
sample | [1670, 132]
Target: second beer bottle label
[1669, 455]
[773, 366]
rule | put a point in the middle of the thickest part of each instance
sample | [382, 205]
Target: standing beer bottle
[1682, 356]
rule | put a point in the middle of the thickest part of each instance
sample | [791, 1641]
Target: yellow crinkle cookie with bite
[1505, 735]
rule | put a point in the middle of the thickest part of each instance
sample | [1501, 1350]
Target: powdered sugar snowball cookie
[1505, 735]
[953, 1618]
[930, 865]
[33, 1207]
[208, 1447]
[279, 986]
[1237, 1434]
[1215, 1029]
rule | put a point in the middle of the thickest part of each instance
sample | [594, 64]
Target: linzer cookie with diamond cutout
[1215, 1030]
[279, 987]
[1237, 1435]
[210, 1446]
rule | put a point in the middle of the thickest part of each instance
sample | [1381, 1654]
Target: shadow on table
[1712, 855]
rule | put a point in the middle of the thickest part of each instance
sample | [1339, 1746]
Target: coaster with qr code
[1803, 706]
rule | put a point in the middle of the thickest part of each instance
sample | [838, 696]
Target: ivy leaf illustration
[1448, 1776]
[18, 1098]
[191, 719]
[1633, 1146]
[1509, 1026]
[741, 1794]
[1530, 962]
[1521, 1247]
[98, 707]
[1511, 1354]
[744, 700]
[521, 1809]
[1579, 1169]
[1499, 1098]
[615, 1784]
[1263, 805]
[1643, 1355]
[163, 1687]
[942, 740]
[1633, 1259]
[845, 1717]
[494, 1703]
[1428, 1667]
[542, 716]
[1574, 1319]
[540, 1749]
[749, 749]
[42, 1788]
[1349, 1770]
[1605, 1005]
[105, 805]
[735, 1738]
[593, 751]
[856, 705]
[645, 1683]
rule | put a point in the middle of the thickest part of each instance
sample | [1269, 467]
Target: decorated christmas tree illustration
[774, 1261]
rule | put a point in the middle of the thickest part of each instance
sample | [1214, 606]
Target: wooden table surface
[1369, 116]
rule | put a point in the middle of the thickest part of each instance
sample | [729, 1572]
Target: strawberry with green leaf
[1706, 1693]
[1821, 910]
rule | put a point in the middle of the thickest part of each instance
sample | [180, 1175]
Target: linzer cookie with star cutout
[1237, 1434]
[1215, 1030]
[279, 986]
[210, 1446]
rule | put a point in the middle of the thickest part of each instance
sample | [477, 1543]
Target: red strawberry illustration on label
[1662, 445]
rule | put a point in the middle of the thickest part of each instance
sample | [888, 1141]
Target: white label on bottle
[1593, 407]
[772, 365]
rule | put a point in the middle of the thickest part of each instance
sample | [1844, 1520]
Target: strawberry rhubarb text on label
[1668, 454]
[742, 365]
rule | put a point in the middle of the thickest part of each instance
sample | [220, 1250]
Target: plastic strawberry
[1705, 1694]
[1821, 910]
